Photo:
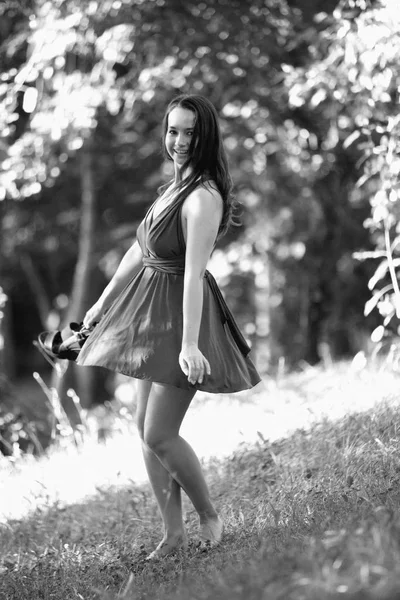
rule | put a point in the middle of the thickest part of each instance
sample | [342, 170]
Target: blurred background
[307, 93]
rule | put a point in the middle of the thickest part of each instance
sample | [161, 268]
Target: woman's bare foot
[211, 531]
[169, 545]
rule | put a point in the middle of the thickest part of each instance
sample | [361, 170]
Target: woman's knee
[156, 440]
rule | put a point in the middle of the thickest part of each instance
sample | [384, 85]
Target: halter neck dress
[141, 333]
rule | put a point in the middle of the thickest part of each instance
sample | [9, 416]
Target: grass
[308, 487]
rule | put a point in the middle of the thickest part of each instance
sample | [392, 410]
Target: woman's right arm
[130, 264]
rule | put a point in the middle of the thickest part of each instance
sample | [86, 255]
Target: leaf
[351, 138]
[379, 274]
[319, 17]
[369, 254]
[363, 179]
[378, 333]
[319, 96]
[387, 319]
[262, 438]
[372, 302]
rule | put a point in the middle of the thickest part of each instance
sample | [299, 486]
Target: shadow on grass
[314, 515]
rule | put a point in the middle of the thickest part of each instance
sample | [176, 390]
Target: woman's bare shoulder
[205, 198]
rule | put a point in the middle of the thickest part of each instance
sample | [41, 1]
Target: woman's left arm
[202, 212]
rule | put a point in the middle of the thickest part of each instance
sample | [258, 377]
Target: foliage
[83, 58]
[353, 81]
[18, 434]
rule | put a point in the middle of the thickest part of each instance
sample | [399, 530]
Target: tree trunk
[37, 286]
[82, 383]
[7, 357]
[81, 283]
[3, 302]
[326, 251]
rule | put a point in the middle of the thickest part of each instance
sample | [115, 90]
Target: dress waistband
[176, 266]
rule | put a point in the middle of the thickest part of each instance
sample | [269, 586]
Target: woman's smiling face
[179, 134]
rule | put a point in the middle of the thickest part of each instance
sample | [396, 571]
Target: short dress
[141, 333]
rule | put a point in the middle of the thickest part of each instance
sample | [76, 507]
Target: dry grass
[308, 487]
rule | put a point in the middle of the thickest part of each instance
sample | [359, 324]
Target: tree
[354, 82]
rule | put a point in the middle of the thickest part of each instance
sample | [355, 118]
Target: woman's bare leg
[165, 409]
[166, 489]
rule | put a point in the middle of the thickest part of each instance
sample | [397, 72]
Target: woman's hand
[193, 363]
[93, 315]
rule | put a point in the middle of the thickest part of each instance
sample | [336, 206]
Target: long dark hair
[207, 157]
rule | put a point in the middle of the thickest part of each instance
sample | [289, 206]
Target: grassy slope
[311, 515]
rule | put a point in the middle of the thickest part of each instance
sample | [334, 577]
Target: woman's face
[179, 134]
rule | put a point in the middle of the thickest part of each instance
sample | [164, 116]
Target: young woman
[167, 323]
